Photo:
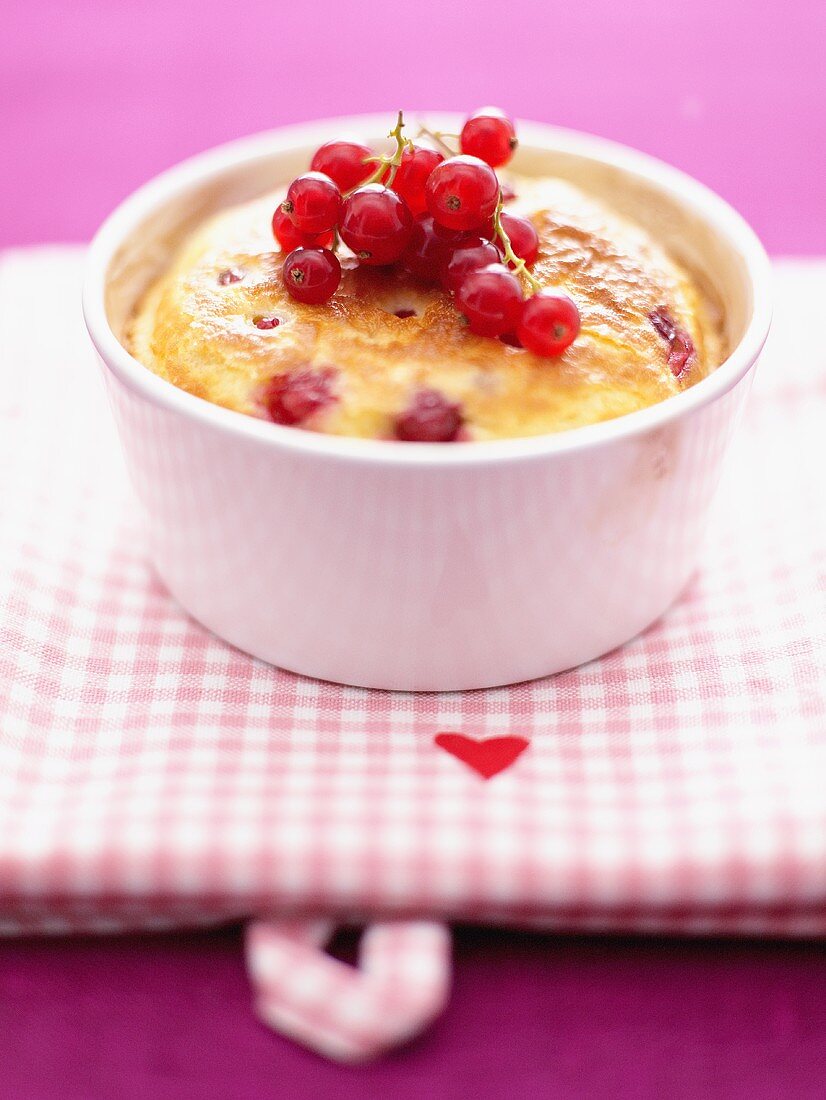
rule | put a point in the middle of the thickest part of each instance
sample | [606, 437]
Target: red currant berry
[522, 235]
[491, 300]
[486, 230]
[289, 237]
[312, 203]
[548, 324]
[470, 255]
[285, 232]
[426, 251]
[376, 224]
[265, 323]
[430, 418]
[412, 175]
[454, 237]
[294, 398]
[489, 135]
[462, 192]
[311, 275]
[511, 339]
[345, 162]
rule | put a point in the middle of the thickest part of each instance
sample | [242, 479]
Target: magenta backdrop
[96, 96]
[163, 1018]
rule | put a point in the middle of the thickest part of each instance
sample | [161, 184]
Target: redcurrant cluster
[438, 214]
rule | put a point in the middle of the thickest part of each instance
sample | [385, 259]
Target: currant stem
[436, 136]
[391, 161]
[519, 265]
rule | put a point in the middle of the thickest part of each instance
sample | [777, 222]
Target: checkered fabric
[152, 776]
[349, 1013]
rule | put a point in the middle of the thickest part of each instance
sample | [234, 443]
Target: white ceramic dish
[425, 566]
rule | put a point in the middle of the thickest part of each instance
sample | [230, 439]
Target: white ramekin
[420, 566]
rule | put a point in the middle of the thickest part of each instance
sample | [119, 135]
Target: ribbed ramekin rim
[152, 195]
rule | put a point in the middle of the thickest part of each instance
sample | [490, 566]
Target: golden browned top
[200, 334]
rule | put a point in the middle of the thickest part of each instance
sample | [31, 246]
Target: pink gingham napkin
[151, 775]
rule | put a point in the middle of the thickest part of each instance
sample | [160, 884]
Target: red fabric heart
[488, 756]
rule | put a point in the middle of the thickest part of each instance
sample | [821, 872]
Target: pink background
[96, 96]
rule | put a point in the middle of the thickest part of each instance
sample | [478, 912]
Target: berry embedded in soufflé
[429, 418]
[296, 397]
[681, 350]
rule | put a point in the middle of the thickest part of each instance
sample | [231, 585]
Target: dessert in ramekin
[569, 513]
